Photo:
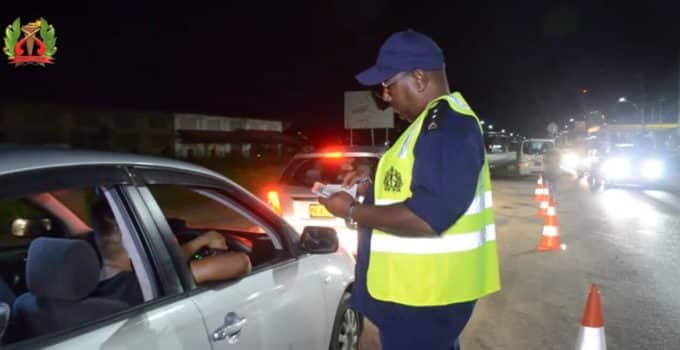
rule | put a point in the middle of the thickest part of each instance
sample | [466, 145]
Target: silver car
[295, 297]
[299, 206]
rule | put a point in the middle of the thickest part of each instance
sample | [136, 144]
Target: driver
[117, 279]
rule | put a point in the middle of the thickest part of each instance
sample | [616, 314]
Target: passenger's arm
[212, 239]
[220, 267]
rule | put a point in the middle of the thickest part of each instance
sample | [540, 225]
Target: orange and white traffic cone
[545, 203]
[550, 240]
[591, 335]
[538, 192]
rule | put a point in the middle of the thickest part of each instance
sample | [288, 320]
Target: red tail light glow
[274, 202]
[333, 155]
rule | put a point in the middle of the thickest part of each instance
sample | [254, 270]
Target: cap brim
[375, 75]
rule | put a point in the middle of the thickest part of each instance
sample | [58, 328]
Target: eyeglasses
[391, 81]
[385, 85]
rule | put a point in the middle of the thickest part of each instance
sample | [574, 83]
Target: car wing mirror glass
[319, 240]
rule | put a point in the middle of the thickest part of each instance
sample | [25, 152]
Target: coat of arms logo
[37, 46]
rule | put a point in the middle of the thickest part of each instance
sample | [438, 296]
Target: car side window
[195, 212]
[67, 263]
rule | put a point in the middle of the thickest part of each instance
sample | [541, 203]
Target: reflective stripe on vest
[445, 244]
[458, 266]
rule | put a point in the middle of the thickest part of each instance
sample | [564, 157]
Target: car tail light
[273, 200]
[333, 155]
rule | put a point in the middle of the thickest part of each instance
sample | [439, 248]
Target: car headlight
[652, 169]
[616, 168]
[570, 160]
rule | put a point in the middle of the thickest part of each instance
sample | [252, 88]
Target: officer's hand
[354, 177]
[338, 203]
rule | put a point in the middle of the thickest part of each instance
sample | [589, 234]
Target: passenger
[118, 280]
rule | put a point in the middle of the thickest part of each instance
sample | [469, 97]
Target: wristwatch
[350, 210]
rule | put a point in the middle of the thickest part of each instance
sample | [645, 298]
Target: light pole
[640, 110]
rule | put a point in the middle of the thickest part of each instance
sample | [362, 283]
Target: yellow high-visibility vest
[458, 266]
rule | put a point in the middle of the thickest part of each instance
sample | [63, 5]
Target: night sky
[520, 66]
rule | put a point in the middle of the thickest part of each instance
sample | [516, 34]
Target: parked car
[530, 156]
[295, 297]
[292, 196]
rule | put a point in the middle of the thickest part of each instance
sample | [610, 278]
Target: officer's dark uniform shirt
[449, 155]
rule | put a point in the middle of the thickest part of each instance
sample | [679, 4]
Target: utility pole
[678, 101]
[643, 94]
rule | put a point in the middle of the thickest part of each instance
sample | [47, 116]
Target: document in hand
[325, 191]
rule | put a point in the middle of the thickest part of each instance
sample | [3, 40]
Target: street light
[490, 127]
[482, 122]
[571, 120]
[502, 131]
[623, 99]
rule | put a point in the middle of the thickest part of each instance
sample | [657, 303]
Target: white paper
[326, 190]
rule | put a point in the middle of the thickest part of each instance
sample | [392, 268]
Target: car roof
[354, 151]
[22, 158]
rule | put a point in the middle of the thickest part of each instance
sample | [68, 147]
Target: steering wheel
[234, 244]
[239, 245]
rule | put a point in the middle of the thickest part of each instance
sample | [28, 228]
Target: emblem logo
[36, 47]
[392, 181]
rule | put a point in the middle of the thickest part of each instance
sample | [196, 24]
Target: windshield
[306, 171]
[536, 147]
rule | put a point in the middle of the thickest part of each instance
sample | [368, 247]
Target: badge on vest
[433, 121]
[392, 181]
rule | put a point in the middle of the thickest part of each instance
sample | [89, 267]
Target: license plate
[537, 163]
[319, 211]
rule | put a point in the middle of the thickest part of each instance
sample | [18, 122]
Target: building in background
[217, 136]
[143, 132]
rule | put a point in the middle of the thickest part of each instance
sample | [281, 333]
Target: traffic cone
[545, 203]
[591, 335]
[550, 239]
[538, 192]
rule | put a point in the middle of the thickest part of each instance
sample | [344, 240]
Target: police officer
[427, 244]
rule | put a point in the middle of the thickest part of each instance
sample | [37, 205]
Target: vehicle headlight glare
[616, 168]
[570, 160]
[652, 169]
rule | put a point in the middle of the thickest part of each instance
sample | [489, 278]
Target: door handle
[231, 330]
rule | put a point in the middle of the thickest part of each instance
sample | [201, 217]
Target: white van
[530, 155]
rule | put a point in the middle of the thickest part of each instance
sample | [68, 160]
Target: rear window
[306, 171]
[536, 147]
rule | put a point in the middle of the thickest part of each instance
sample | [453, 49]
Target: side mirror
[4, 318]
[30, 227]
[319, 240]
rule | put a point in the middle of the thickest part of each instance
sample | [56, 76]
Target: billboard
[362, 112]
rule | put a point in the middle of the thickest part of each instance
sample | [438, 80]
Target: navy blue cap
[402, 52]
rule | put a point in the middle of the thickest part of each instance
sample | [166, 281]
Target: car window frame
[238, 198]
[239, 195]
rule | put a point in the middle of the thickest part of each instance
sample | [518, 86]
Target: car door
[279, 305]
[167, 319]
